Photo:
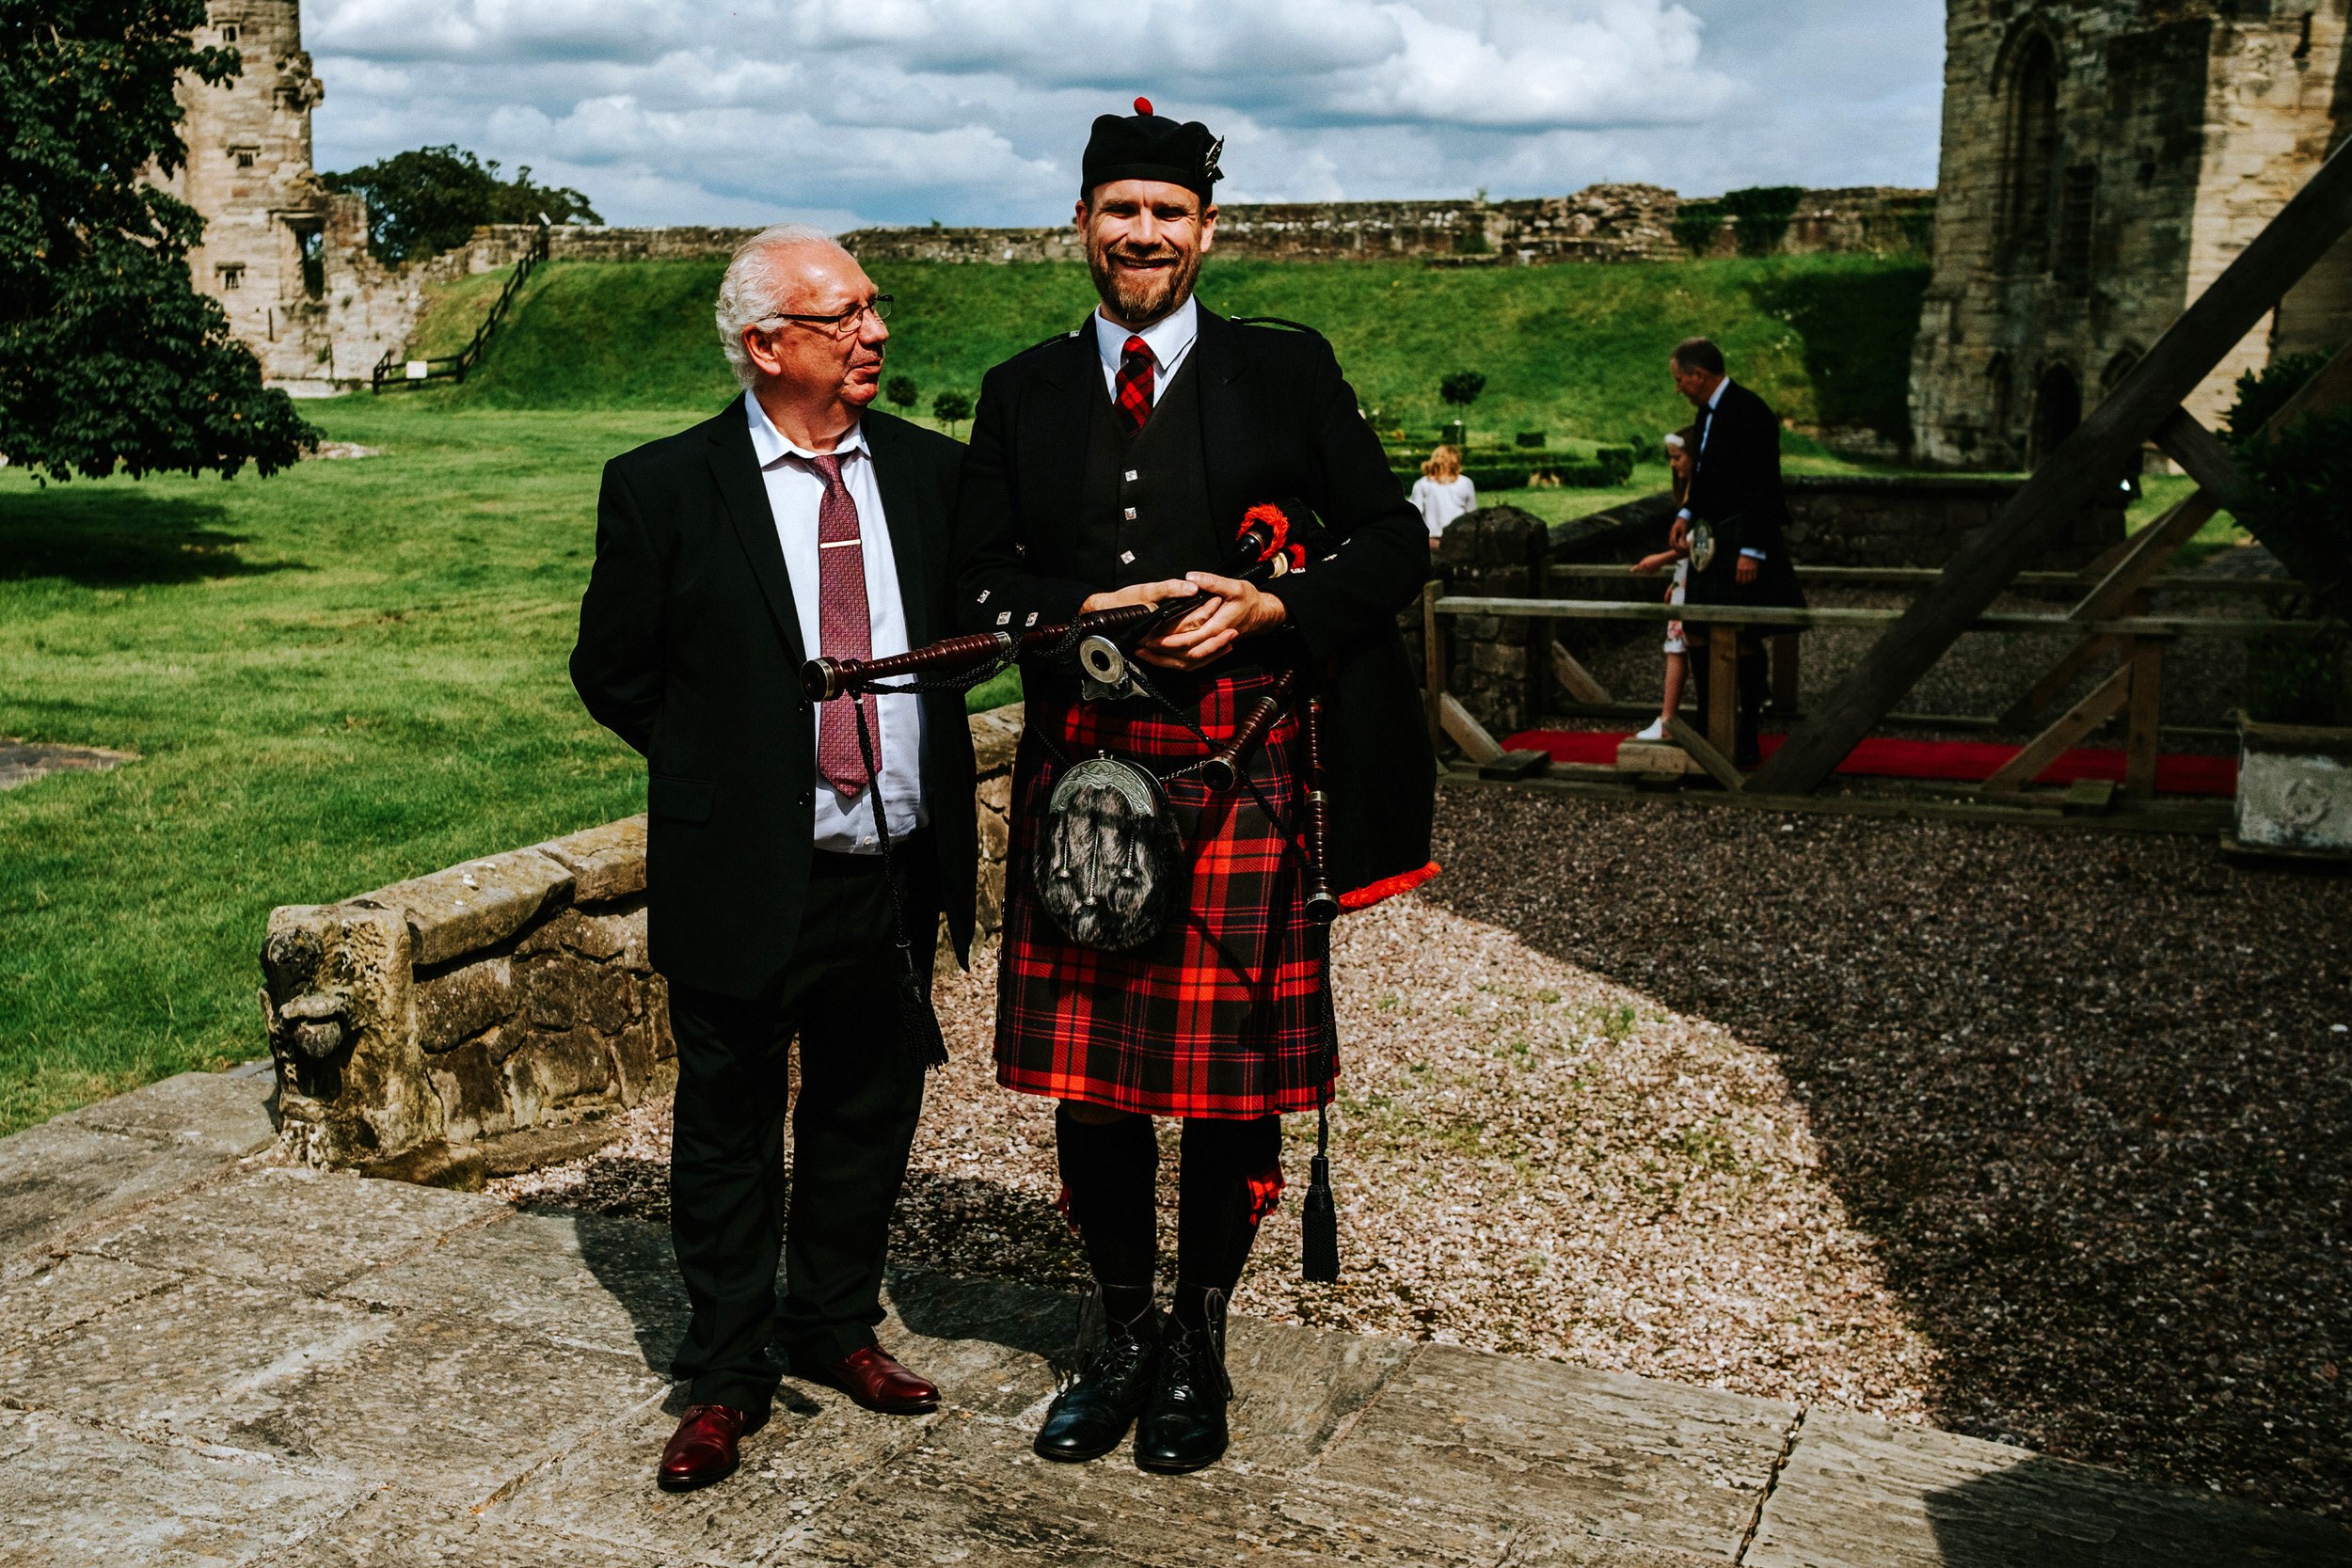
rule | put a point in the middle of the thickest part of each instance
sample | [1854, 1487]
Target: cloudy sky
[846, 112]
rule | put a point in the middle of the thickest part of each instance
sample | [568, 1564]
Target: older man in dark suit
[797, 521]
[1735, 518]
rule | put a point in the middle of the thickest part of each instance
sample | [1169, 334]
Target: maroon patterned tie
[845, 629]
[1133, 395]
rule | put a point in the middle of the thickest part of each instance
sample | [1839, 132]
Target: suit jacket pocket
[680, 799]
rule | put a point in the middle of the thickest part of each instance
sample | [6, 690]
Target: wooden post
[1723, 687]
[2146, 662]
[1578, 680]
[1433, 663]
[2075, 722]
[2085, 463]
[1783, 646]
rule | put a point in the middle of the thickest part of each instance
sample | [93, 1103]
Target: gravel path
[2029, 1135]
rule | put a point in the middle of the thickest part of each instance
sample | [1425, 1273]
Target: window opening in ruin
[245, 156]
[231, 274]
[2030, 163]
[314, 244]
[2057, 408]
[1996, 400]
[2078, 200]
[230, 32]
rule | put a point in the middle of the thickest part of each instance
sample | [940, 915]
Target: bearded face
[1144, 243]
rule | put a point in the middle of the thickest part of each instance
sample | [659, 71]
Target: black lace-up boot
[1183, 1426]
[1113, 1379]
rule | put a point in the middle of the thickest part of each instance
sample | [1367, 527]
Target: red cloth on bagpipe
[1223, 1014]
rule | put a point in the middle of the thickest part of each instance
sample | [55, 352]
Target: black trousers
[1751, 692]
[860, 1096]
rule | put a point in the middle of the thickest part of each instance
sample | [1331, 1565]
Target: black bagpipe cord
[918, 1019]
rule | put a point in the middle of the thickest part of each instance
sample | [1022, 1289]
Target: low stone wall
[452, 1021]
[1918, 520]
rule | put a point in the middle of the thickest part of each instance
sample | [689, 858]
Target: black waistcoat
[1144, 510]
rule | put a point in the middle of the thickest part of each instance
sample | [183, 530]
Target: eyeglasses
[840, 323]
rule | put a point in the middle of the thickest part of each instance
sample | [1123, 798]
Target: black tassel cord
[918, 1020]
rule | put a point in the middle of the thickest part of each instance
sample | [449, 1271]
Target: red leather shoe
[870, 1377]
[703, 1448]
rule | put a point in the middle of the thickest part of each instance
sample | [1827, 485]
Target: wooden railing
[392, 371]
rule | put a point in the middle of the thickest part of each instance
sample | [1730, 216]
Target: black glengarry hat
[1145, 146]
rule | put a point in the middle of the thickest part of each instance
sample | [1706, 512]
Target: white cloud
[974, 111]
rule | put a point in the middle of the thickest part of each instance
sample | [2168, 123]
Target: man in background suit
[1735, 492]
[796, 521]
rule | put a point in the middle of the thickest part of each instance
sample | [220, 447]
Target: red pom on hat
[1143, 105]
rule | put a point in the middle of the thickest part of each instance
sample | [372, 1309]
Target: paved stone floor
[209, 1358]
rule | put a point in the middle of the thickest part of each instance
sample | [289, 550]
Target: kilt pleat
[1223, 1013]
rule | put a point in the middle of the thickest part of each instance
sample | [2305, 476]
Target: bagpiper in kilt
[1113, 466]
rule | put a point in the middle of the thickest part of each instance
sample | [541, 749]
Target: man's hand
[1745, 572]
[1140, 593]
[1230, 610]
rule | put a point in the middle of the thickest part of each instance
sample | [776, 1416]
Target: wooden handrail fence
[2111, 619]
[392, 371]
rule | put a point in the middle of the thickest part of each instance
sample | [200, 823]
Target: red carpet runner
[1951, 761]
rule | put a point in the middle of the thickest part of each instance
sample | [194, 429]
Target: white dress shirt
[1713, 399]
[794, 493]
[1170, 339]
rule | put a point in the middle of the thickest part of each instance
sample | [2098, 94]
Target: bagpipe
[1106, 861]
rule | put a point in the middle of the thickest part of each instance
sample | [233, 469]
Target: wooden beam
[2200, 455]
[2146, 664]
[1576, 678]
[1784, 656]
[1723, 687]
[2075, 723]
[1919, 577]
[2151, 547]
[1785, 618]
[2054, 682]
[1468, 733]
[2084, 464]
[1705, 754]
[1433, 662]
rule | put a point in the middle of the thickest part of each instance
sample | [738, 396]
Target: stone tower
[286, 259]
[2102, 161]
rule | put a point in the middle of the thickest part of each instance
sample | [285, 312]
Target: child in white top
[1679, 458]
[1443, 492]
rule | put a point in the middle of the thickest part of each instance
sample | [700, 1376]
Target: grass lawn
[346, 674]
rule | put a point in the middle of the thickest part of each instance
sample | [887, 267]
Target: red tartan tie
[845, 629]
[1133, 395]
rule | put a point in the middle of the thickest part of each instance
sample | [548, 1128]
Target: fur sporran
[1108, 855]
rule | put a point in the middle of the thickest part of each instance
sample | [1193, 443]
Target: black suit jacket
[1736, 491]
[1278, 422]
[689, 650]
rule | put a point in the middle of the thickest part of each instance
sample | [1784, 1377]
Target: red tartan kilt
[1222, 1014]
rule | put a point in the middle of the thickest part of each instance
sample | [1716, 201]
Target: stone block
[476, 905]
[401, 1529]
[293, 1228]
[1580, 1453]
[61, 1175]
[553, 1069]
[434, 1401]
[207, 1361]
[996, 735]
[996, 794]
[459, 1003]
[602, 1280]
[559, 991]
[72, 1496]
[65, 1294]
[1861, 1492]
[605, 863]
[995, 837]
[604, 937]
[213, 1112]
[638, 1058]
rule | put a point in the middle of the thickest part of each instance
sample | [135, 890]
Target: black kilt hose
[1222, 1013]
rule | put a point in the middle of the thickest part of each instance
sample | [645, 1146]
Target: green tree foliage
[431, 199]
[900, 392]
[1462, 387]
[2299, 504]
[951, 409]
[109, 358]
[2262, 393]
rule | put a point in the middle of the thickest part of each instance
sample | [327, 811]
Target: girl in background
[1679, 457]
[1443, 492]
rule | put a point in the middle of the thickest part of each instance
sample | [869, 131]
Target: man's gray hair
[753, 289]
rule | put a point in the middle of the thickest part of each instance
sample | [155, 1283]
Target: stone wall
[1918, 520]
[2102, 163]
[426, 1027]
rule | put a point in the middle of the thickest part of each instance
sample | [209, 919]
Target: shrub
[900, 392]
[950, 409]
[1696, 224]
[1528, 439]
[1461, 388]
[1763, 212]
